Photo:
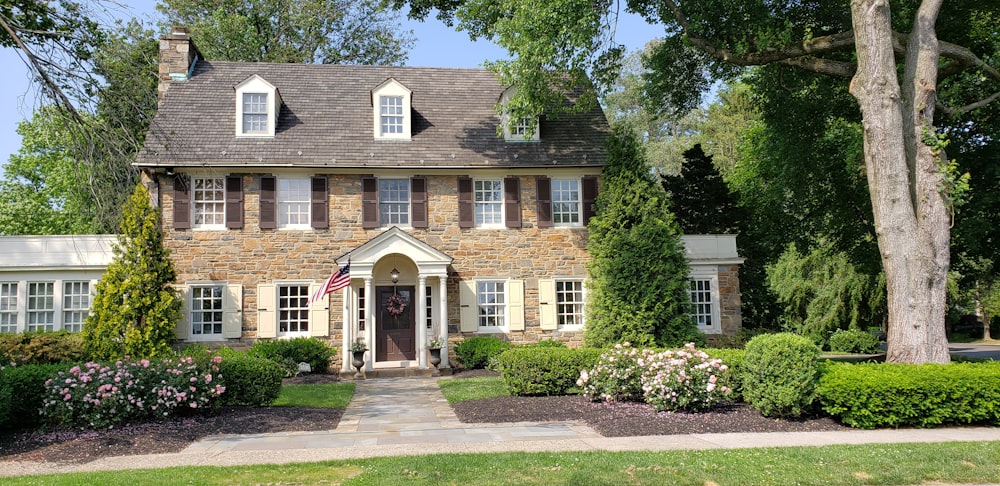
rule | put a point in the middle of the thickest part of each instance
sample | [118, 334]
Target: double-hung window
[492, 304]
[209, 202]
[701, 300]
[206, 310]
[569, 303]
[294, 198]
[293, 310]
[8, 306]
[76, 304]
[566, 202]
[391, 113]
[41, 306]
[255, 113]
[394, 202]
[489, 201]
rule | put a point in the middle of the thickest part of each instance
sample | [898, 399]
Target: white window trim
[277, 309]
[409, 202]
[579, 202]
[194, 204]
[583, 296]
[503, 206]
[279, 201]
[505, 328]
[253, 85]
[508, 135]
[58, 289]
[190, 312]
[391, 88]
[710, 273]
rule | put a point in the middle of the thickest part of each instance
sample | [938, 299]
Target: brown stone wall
[252, 256]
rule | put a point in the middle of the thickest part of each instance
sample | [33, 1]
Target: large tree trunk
[905, 182]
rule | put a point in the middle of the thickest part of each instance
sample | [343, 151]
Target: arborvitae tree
[700, 199]
[639, 290]
[135, 310]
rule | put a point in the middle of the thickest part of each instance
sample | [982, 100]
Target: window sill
[492, 330]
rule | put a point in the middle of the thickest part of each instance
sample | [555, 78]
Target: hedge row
[533, 371]
[872, 395]
[22, 390]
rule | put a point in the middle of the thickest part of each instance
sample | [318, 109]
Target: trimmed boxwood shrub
[250, 381]
[871, 395]
[533, 371]
[22, 389]
[290, 352]
[41, 347]
[853, 341]
[477, 352]
[779, 374]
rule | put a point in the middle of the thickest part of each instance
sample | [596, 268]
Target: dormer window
[391, 110]
[524, 129]
[257, 106]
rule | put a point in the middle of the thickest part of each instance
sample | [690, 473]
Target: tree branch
[33, 62]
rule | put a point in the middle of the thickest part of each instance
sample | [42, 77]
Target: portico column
[347, 330]
[421, 321]
[369, 324]
[443, 318]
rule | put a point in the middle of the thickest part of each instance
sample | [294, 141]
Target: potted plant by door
[434, 349]
[358, 351]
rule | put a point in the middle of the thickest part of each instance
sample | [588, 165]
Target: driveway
[981, 351]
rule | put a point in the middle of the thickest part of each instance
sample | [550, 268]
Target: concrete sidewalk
[409, 416]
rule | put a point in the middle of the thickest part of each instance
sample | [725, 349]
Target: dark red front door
[396, 331]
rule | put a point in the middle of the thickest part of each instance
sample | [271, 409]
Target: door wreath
[395, 305]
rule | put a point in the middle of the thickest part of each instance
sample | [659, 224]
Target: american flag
[336, 282]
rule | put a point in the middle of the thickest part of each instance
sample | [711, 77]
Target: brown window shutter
[466, 213]
[320, 203]
[268, 202]
[589, 198]
[234, 202]
[418, 202]
[512, 202]
[544, 185]
[182, 202]
[369, 202]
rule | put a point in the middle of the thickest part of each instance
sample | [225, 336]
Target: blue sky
[436, 46]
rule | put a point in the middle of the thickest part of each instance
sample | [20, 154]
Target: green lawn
[460, 390]
[330, 395]
[903, 464]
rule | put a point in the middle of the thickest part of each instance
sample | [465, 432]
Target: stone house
[272, 176]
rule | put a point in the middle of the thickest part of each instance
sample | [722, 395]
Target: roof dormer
[257, 105]
[524, 129]
[391, 111]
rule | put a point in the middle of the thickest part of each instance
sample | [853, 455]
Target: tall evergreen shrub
[135, 310]
[639, 290]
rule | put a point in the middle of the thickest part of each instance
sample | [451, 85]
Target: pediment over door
[429, 260]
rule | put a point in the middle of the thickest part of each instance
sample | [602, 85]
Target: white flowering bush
[101, 395]
[685, 379]
[617, 375]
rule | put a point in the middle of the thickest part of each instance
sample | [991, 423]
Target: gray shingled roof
[326, 121]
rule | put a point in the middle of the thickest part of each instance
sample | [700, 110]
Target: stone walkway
[409, 416]
[394, 411]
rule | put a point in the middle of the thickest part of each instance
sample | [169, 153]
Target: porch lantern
[394, 274]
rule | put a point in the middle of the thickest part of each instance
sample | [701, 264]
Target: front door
[395, 329]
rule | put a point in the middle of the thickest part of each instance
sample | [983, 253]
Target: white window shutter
[547, 304]
[232, 311]
[183, 328]
[515, 309]
[319, 314]
[267, 325]
[469, 307]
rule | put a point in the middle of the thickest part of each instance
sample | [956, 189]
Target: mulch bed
[174, 434]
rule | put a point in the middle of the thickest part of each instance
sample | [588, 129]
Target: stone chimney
[178, 55]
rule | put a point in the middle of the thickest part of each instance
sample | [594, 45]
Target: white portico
[396, 333]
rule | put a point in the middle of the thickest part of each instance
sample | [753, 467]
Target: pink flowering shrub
[101, 395]
[616, 377]
[685, 379]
